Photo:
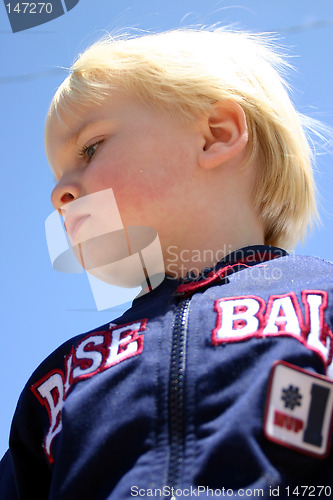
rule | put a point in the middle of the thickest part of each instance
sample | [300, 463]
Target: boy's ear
[225, 134]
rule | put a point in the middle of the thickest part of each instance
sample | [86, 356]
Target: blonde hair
[186, 72]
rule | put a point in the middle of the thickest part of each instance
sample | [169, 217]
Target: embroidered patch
[95, 353]
[241, 318]
[299, 409]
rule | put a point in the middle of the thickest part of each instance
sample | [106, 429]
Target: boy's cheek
[147, 185]
[131, 184]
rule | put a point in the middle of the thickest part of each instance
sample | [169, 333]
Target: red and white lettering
[50, 393]
[319, 335]
[88, 359]
[238, 318]
[283, 315]
[125, 342]
[68, 371]
[288, 422]
[95, 353]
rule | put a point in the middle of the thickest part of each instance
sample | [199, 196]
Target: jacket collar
[235, 261]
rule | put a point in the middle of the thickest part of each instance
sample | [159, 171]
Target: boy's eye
[89, 151]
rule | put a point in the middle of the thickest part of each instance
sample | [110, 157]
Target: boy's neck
[181, 260]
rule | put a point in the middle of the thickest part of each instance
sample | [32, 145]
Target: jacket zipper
[176, 394]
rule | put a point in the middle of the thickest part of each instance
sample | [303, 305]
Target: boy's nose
[64, 193]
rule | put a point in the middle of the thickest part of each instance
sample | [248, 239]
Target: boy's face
[146, 157]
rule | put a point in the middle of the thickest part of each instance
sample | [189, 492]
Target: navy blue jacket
[171, 398]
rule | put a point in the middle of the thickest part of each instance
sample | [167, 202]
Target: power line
[291, 30]
[301, 28]
[7, 80]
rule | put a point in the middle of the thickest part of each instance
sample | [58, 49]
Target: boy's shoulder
[310, 267]
[319, 261]
[296, 271]
[64, 353]
[309, 260]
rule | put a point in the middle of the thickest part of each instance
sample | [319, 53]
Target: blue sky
[41, 308]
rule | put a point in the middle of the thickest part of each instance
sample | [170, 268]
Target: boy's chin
[107, 258]
[127, 273]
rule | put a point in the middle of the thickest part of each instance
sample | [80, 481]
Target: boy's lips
[73, 224]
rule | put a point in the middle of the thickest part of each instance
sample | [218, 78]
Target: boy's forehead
[62, 131]
[70, 125]
[68, 121]
[65, 127]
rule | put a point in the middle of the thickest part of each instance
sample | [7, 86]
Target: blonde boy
[206, 385]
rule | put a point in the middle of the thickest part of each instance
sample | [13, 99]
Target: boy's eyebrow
[76, 135]
[74, 138]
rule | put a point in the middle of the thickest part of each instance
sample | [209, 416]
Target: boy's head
[192, 77]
